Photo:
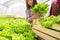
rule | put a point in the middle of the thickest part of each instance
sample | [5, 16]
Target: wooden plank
[56, 26]
[46, 37]
[48, 31]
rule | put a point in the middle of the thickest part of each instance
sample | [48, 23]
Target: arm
[35, 16]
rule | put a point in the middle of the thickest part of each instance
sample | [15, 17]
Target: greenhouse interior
[29, 19]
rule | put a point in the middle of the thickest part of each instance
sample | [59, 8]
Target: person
[55, 8]
[30, 15]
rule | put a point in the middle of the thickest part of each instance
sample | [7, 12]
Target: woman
[55, 8]
[30, 15]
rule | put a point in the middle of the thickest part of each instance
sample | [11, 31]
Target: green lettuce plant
[41, 8]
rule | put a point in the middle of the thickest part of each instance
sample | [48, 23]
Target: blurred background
[16, 7]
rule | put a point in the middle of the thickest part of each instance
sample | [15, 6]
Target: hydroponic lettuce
[49, 21]
[41, 8]
[58, 19]
[3, 38]
[15, 29]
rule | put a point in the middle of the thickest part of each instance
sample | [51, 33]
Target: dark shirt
[55, 8]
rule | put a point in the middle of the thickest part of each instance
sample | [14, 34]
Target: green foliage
[58, 21]
[15, 29]
[42, 8]
[18, 37]
[3, 38]
[49, 21]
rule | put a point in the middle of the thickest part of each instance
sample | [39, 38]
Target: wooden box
[45, 33]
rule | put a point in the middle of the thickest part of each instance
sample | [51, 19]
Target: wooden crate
[47, 34]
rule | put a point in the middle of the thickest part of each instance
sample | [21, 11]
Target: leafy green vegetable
[42, 8]
[3, 38]
[15, 29]
[49, 21]
[18, 37]
[58, 19]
